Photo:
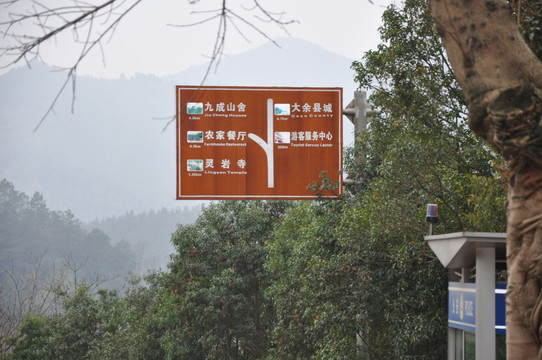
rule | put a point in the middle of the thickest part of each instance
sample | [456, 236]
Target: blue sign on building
[462, 307]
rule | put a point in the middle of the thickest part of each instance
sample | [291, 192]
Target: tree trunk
[502, 82]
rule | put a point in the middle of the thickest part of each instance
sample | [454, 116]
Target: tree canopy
[29, 229]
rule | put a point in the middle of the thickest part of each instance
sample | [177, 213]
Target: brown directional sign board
[257, 142]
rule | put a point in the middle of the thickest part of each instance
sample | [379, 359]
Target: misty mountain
[148, 233]
[110, 154]
[53, 245]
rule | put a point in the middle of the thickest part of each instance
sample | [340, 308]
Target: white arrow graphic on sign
[267, 146]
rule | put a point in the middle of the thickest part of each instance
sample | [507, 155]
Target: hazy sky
[145, 42]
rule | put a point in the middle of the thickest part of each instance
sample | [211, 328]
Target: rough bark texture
[518, 137]
[502, 81]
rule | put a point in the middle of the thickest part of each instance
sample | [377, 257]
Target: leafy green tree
[401, 287]
[133, 326]
[29, 228]
[316, 288]
[345, 287]
[419, 141]
[34, 336]
[218, 278]
[102, 325]
[62, 336]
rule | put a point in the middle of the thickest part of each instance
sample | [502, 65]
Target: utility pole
[356, 111]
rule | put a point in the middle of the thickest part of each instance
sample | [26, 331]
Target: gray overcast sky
[145, 43]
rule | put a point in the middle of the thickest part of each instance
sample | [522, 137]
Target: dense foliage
[419, 143]
[342, 279]
[101, 325]
[28, 228]
[44, 255]
[219, 279]
[528, 14]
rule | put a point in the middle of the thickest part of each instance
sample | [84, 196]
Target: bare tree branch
[92, 24]
[227, 16]
[30, 289]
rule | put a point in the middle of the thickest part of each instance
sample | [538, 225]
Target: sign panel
[257, 142]
[462, 307]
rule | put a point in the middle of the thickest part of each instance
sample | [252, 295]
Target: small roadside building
[476, 262]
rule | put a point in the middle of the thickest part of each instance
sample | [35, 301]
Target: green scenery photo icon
[282, 109]
[194, 165]
[194, 136]
[194, 108]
